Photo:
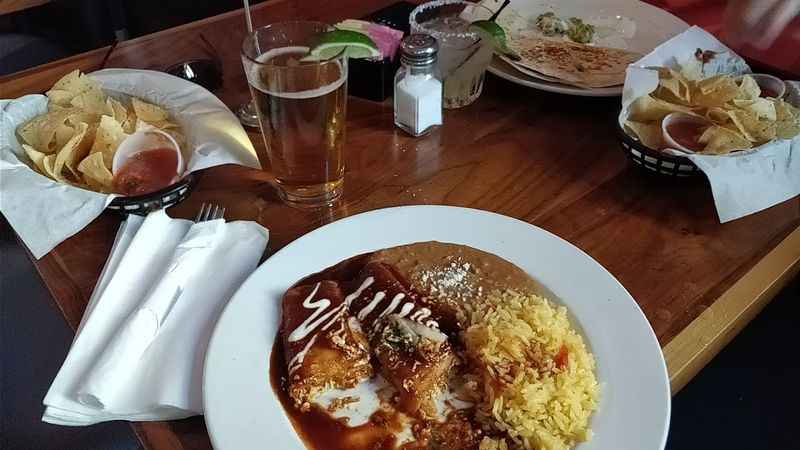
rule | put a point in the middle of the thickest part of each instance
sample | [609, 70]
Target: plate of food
[578, 48]
[434, 327]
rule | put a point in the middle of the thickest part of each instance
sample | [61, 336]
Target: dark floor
[745, 399]
[748, 397]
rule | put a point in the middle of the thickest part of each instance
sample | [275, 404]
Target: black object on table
[374, 80]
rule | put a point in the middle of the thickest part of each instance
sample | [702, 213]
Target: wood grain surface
[547, 159]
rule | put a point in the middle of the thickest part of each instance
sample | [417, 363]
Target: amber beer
[302, 110]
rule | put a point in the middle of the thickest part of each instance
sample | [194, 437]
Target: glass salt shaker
[417, 90]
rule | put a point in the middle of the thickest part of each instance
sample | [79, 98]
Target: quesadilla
[580, 65]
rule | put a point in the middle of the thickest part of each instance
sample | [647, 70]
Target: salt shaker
[417, 90]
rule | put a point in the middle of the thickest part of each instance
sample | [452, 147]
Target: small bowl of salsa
[149, 173]
[146, 162]
[682, 131]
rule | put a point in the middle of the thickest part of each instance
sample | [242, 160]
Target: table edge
[694, 347]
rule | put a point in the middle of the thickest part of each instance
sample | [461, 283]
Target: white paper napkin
[742, 183]
[138, 353]
[44, 213]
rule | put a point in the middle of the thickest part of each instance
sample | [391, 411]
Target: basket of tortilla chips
[76, 140]
[699, 101]
[122, 139]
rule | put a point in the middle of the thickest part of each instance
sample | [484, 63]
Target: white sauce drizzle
[420, 315]
[407, 308]
[371, 305]
[313, 321]
[319, 307]
[367, 282]
[392, 305]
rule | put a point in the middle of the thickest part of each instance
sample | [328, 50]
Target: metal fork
[210, 211]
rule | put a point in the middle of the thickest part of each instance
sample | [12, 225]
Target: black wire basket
[142, 205]
[654, 161]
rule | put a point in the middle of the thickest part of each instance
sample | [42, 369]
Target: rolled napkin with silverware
[138, 352]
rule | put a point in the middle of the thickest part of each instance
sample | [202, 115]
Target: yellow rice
[526, 398]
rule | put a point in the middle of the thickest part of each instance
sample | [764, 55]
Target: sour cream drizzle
[320, 315]
[314, 320]
[371, 305]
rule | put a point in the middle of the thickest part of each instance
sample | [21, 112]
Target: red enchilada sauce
[318, 429]
[687, 134]
[147, 171]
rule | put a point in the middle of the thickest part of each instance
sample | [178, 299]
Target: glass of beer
[301, 106]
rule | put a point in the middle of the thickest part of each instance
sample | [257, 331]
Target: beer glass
[301, 106]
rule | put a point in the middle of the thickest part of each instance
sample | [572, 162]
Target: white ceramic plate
[242, 411]
[653, 26]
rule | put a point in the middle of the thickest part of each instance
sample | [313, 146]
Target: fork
[210, 211]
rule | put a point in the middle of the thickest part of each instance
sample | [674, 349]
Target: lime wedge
[354, 44]
[491, 30]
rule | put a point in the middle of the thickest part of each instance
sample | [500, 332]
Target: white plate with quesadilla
[610, 34]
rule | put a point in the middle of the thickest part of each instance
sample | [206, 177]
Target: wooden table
[547, 159]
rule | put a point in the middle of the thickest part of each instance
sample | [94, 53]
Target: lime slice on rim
[495, 32]
[354, 44]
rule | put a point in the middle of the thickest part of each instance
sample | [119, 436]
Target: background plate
[653, 26]
[242, 411]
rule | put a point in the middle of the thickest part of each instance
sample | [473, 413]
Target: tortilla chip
[714, 91]
[750, 127]
[648, 108]
[721, 140]
[107, 138]
[29, 131]
[92, 101]
[718, 115]
[71, 85]
[63, 134]
[129, 126]
[761, 107]
[148, 112]
[60, 97]
[70, 152]
[648, 133]
[48, 163]
[118, 110]
[96, 173]
[46, 132]
[673, 87]
[75, 82]
[36, 157]
[787, 125]
[748, 88]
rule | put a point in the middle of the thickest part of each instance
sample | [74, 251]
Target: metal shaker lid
[419, 49]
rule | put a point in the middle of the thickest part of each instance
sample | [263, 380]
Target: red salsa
[687, 134]
[767, 92]
[147, 171]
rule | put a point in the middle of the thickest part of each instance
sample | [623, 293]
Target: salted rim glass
[431, 10]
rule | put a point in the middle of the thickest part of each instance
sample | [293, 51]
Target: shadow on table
[34, 339]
